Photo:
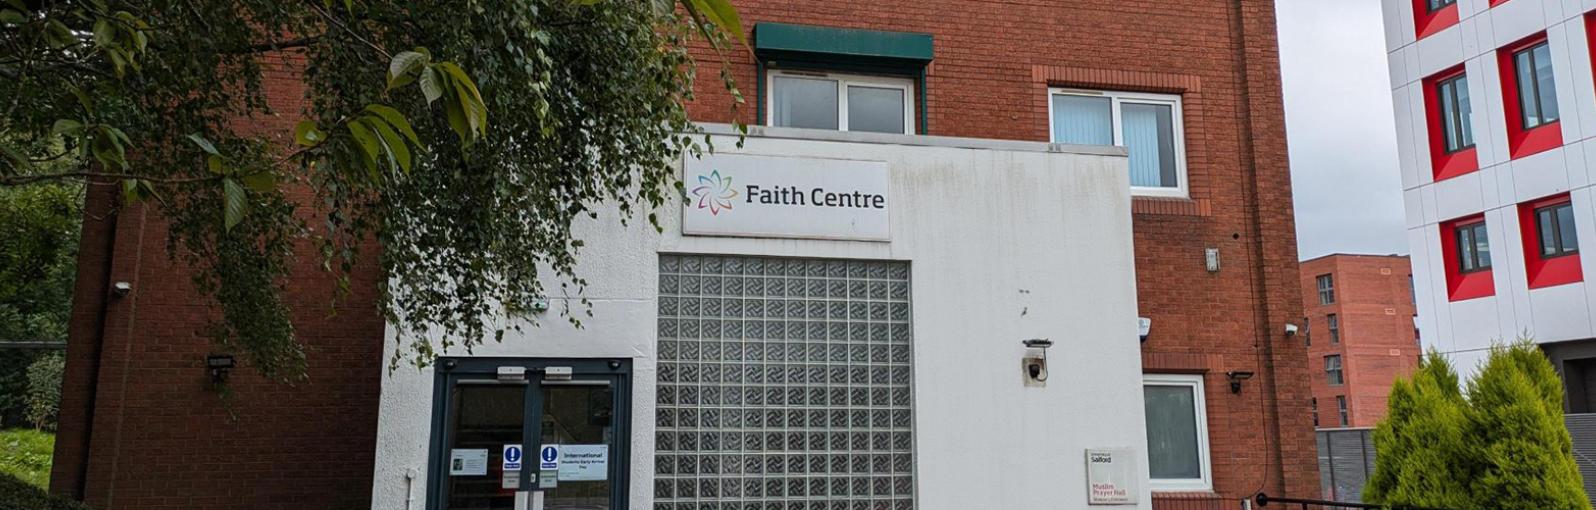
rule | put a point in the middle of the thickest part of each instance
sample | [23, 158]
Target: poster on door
[584, 462]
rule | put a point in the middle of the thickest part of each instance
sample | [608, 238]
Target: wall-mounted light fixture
[1236, 377]
[219, 365]
[1036, 363]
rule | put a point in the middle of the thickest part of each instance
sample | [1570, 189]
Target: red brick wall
[160, 439]
[993, 63]
[140, 426]
[1375, 311]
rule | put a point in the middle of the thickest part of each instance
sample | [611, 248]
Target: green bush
[1503, 445]
[16, 494]
[44, 390]
[1420, 451]
[1523, 454]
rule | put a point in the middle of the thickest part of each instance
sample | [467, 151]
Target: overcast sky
[1338, 119]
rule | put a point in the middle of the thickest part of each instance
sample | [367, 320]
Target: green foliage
[25, 458]
[1504, 445]
[1420, 448]
[44, 390]
[1522, 451]
[38, 264]
[465, 137]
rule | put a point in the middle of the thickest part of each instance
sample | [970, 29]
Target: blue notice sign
[549, 457]
[512, 457]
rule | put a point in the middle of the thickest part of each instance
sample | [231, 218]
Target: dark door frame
[618, 371]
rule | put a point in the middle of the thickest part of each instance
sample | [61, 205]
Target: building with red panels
[1091, 200]
[1495, 109]
[1361, 332]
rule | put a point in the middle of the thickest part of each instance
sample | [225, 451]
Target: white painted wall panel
[1394, 30]
[1561, 313]
[1412, 153]
[1539, 175]
[967, 324]
[1459, 196]
[1440, 51]
[1516, 20]
[1494, 132]
[1475, 323]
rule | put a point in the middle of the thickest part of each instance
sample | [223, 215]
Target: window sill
[1170, 206]
[1196, 490]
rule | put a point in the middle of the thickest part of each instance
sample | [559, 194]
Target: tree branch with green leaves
[169, 101]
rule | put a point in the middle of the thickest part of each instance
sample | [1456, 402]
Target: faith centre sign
[744, 195]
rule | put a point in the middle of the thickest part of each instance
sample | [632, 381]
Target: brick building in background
[1191, 89]
[1361, 334]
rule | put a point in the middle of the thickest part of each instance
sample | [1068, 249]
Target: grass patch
[26, 455]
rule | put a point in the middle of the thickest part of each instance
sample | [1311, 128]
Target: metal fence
[1582, 428]
[1346, 459]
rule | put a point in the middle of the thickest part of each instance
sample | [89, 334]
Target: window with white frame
[845, 102]
[1177, 432]
[1149, 126]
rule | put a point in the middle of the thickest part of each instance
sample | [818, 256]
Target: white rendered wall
[1006, 241]
[1466, 328]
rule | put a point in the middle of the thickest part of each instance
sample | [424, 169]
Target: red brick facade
[138, 416]
[1373, 305]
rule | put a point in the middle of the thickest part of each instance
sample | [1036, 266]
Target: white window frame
[843, 81]
[1118, 98]
[1200, 403]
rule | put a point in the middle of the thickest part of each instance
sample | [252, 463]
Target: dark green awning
[842, 43]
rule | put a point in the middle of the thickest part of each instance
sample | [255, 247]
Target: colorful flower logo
[714, 192]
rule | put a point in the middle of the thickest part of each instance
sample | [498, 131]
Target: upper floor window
[1537, 96]
[1457, 133]
[1473, 249]
[1432, 16]
[1177, 432]
[842, 102]
[1314, 402]
[1549, 238]
[1149, 126]
[1554, 226]
[1332, 369]
[1341, 407]
[1327, 289]
[1335, 328]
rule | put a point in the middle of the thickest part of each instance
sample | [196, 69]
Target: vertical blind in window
[1172, 448]
[1536, 94]
[1456, 130]
[1149, 132]
[1083, 120]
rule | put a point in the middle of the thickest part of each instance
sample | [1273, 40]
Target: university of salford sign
[791, 197]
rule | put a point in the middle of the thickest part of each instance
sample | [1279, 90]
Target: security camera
[1143, 327]
[120, 289]
[1291, 329]
[1036, 365]
[1036, 369]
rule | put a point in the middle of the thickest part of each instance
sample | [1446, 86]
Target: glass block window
[784, 384]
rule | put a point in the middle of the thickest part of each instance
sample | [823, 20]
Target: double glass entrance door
[530, 434]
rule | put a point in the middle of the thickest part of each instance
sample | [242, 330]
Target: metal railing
[1264, 500]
